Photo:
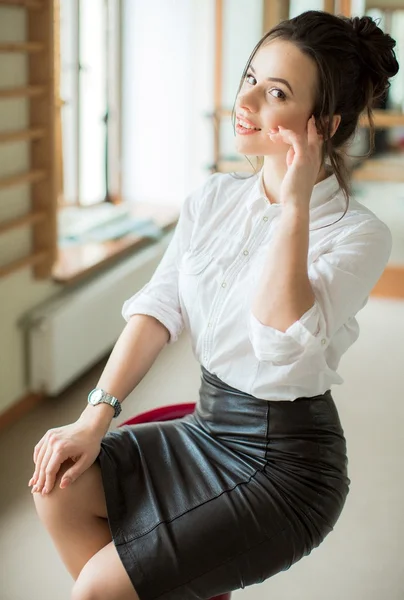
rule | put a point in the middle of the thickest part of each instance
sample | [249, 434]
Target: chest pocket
[193, 263]
[192, 268]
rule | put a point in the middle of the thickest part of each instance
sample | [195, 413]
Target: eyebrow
[274, 79]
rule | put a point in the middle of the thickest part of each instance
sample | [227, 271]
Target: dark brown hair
[355, 60]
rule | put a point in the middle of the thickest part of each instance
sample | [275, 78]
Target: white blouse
[208, 276]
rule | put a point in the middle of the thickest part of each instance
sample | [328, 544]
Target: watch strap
[106, 398]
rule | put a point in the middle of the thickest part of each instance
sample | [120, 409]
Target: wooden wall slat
[329, 6]
[27, 261]
[43, 72]
[343, 7]
[42, 22]
[18, 47]
[21, 178]
[29, 219]
[30, 4]
[22, 135]
[274, 12]
[30, 91]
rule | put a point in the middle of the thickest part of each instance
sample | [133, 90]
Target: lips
[242, 119]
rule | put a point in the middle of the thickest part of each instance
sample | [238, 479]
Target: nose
[248, 101]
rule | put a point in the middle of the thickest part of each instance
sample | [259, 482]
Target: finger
[39, 459]
[313, 137]
[290, 156]
[291, 137]
[42, 471]
[74, 472]
[277, 137]
[37, 450]
[51, 472]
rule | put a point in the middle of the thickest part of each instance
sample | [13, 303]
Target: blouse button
[323, 341]
[265, 219]
[224, 284]
[245, 252]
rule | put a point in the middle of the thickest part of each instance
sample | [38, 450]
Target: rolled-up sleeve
[159, 297]
[341, 278]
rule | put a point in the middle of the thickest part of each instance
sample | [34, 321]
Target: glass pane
[93, 101]
[68, 92]
[237, 48]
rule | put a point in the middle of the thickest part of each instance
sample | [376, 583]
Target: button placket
[230, 274]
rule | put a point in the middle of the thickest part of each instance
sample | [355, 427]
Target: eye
[249, 75]
[282, 95]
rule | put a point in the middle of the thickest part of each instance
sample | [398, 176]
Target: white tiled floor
[362, 559]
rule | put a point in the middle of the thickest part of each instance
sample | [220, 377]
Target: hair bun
[376, 49]
[365, 27]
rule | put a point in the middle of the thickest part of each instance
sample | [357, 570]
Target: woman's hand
[78, 442]
[303, 162]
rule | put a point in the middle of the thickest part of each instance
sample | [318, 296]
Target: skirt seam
[166, 521]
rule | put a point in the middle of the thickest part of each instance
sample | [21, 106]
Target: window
[90, 92]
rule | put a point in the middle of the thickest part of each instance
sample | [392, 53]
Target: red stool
[167, 413]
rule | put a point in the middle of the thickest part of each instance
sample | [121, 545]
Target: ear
[336, 120]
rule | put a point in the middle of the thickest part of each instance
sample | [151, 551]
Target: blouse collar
[323, 191]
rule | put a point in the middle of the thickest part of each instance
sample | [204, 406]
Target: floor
[360, 560]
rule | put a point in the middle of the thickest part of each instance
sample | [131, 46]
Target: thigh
[104, 578]
[85, 495]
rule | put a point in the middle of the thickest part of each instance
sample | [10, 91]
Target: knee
[82, 498]
[50, 506]
[83, 591]
[86, 586]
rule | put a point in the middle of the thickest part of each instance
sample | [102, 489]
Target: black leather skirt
[226, 497]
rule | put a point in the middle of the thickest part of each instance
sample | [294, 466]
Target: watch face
[95, 396]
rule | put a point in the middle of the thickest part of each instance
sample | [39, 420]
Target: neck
[274, 171]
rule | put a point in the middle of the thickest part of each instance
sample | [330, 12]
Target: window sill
[83, 260]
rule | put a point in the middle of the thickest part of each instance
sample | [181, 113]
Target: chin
[247, 146]
[250, 147]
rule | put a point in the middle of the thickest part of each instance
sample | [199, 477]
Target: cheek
[296, 122]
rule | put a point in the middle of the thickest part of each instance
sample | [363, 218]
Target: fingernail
[272, 130]
[65, 482]
[44, 491]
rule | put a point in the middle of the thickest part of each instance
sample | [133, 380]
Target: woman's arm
[285, 293]
[134, 353]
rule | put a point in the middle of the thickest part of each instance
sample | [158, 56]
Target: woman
[267, 273]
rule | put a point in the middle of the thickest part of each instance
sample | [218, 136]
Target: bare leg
[76, 518]
[104, 578]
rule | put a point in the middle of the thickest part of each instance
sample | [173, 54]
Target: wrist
[97, 417]
[296, 205]
[296, 214]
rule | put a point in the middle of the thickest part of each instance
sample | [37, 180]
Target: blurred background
[111, 112]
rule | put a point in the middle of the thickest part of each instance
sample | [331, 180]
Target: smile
[244, 128]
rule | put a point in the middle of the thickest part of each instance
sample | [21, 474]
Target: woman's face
[279, 89]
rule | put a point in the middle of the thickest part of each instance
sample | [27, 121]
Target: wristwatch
[97, 396]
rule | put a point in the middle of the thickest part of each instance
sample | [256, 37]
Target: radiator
[70, 333]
